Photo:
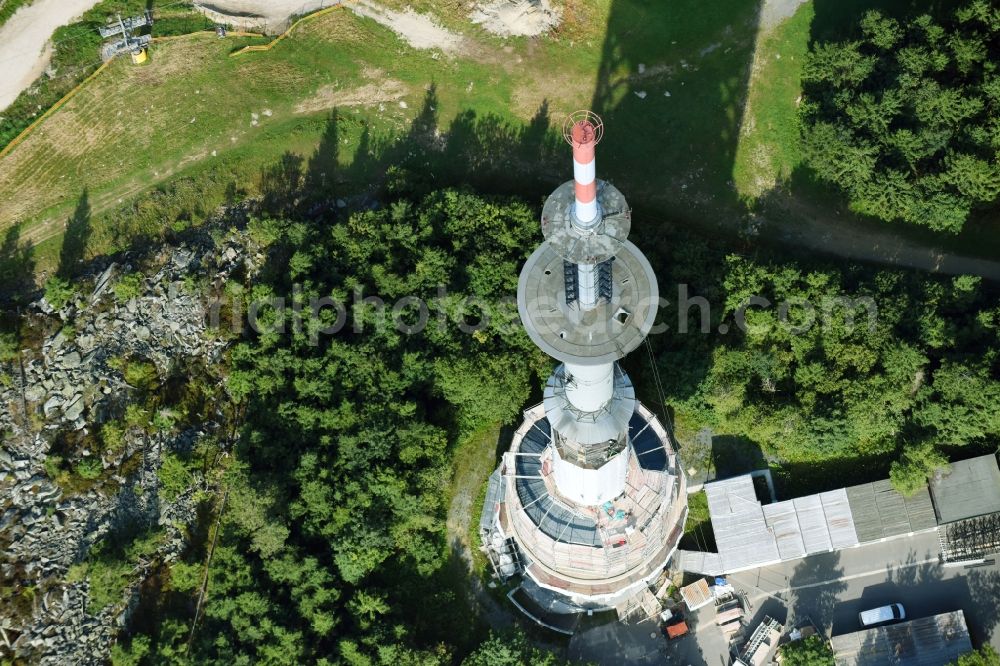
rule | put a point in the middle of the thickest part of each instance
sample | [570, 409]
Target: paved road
[830, 589]
[833, 588]
[24, 47]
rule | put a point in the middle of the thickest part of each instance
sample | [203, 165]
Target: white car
[889, 613]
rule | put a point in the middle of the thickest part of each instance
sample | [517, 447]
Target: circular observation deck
[601, 335]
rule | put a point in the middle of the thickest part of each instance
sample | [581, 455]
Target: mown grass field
[699, 104]
[189, 112]
[768, 151]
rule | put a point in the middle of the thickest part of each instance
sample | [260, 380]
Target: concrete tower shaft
[589, 502]
[587, 297]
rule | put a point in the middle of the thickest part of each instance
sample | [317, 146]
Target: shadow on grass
[806, 478]
[671, 88]
[74, 245]
[486, 152]
[17, 267]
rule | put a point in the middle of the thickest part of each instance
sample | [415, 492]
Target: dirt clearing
[381, 90]
[418, 30]
[517, 18]
[267, 16]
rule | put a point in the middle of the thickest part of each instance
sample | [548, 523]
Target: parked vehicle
[889, 613]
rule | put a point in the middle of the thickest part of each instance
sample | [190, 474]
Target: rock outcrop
[67, 387]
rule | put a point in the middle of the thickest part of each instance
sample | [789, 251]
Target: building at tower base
[588, 505]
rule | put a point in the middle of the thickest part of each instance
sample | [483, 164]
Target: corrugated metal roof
[839, 520]
[741, 533]
[971, 488]
[784, 525]
[867, 522]
[700, 562]
[879, 511]
[926, 641]
[812, 521]
[751, 535]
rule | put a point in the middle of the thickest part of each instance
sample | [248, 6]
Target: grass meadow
[699, 103]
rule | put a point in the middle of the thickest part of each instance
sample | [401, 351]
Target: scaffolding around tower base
[601, 554]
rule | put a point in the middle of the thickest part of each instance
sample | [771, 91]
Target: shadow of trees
[74, 245]
[934, 589]
[806, 478]
[816, 598]
[484, 151]
[17, 267]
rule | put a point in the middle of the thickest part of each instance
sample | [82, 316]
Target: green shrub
[128, 287]
[136, 416]
[175, 477]
[811, 651]
[89, 468]
[185, 577]
[113, 436]
[918, 463]
[58, 292]
[53, 467]
[142, 375]
[984, 656]
[164, 420]
[131, 654]
[8, 347]
[264, 232]
[110, 565]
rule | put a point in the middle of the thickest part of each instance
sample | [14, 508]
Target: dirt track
[24, 42]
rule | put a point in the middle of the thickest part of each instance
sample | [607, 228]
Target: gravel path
[24, 42]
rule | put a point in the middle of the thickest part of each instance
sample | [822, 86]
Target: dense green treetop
[905, 118]
[984, 656]
[811, 651]
[332, 543]
[845, 362]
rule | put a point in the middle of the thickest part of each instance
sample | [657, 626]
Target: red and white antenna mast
[583, 130]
